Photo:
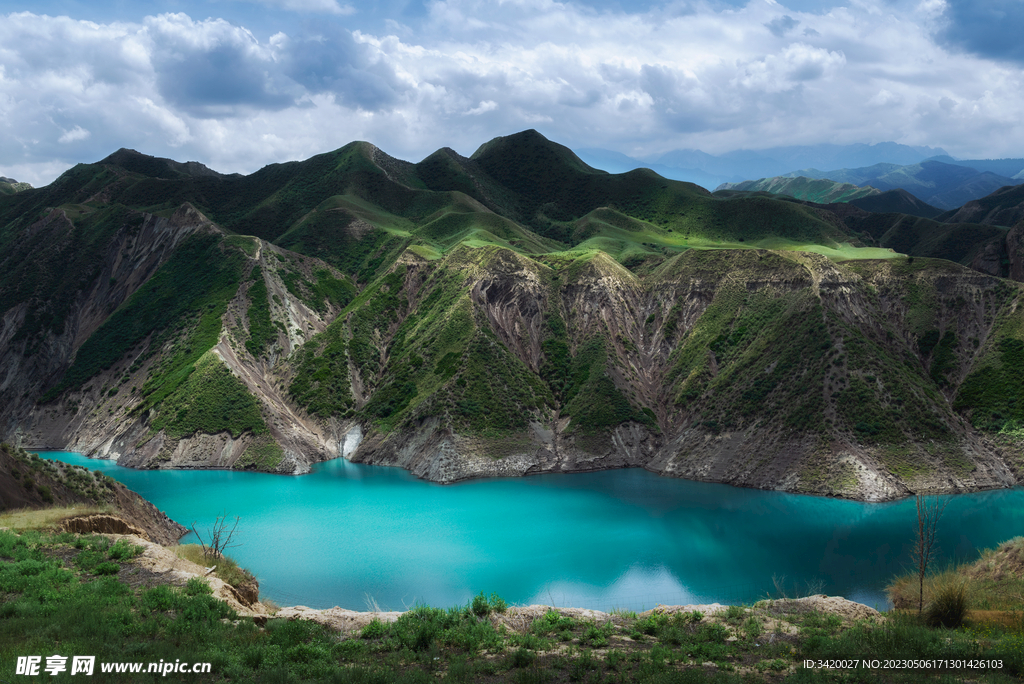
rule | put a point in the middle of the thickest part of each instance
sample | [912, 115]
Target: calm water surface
[348, 533]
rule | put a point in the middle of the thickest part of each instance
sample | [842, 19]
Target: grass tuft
[949, 603]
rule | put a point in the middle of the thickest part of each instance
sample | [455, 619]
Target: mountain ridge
[509, 313]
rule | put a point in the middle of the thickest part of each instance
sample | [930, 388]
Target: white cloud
[788, 69]
[483, 107]
[74, 135]
[311, 6]
[702, 76]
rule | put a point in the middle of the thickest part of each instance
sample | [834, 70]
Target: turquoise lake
[347, 534]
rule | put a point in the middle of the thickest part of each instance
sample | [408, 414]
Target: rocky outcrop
[990, 259]
[684, 442]
[100, 524]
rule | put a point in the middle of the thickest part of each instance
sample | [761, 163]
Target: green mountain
[824, 191]
[1004, 207]
[509, 313]
[819, 190]
[897, 201]
[898, 221]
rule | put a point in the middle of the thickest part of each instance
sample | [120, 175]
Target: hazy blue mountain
[819, 190]
[937, 183]
[710, 170]
[616, 162]
[779, 160]
[1012, 168]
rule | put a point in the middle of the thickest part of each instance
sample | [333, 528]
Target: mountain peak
[156, 167]
[531, 146]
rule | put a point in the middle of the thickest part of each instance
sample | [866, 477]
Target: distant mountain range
[822, 191]
[941, 184]
[710, 171]
[927, 173]
[826, 192]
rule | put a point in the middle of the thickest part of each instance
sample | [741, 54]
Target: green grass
[48, 266]
[264, 453]
[210, 400]
[591, 398]
[246, 243]
[321, 382]
[59, 599]
[993, 394]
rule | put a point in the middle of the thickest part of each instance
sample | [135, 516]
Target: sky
[238, 84]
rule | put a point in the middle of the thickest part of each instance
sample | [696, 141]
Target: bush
[161, 598]
[375, 630]
[949, 603]
[197, 587]
[106, 568]
[481, 606]
[45, 492]
[520, 658]
[123, 550]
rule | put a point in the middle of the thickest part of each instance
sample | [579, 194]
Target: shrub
[88, 559]
[123, 550]
[649, 624]
[552, 621]
[949, 603]
[375, 630]
[520, 658]
[160, 598]
[106, 568]
[45, 492]
[481, 606]
[197, 587]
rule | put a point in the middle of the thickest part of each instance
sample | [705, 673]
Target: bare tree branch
[924, 550]
[220, 536]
